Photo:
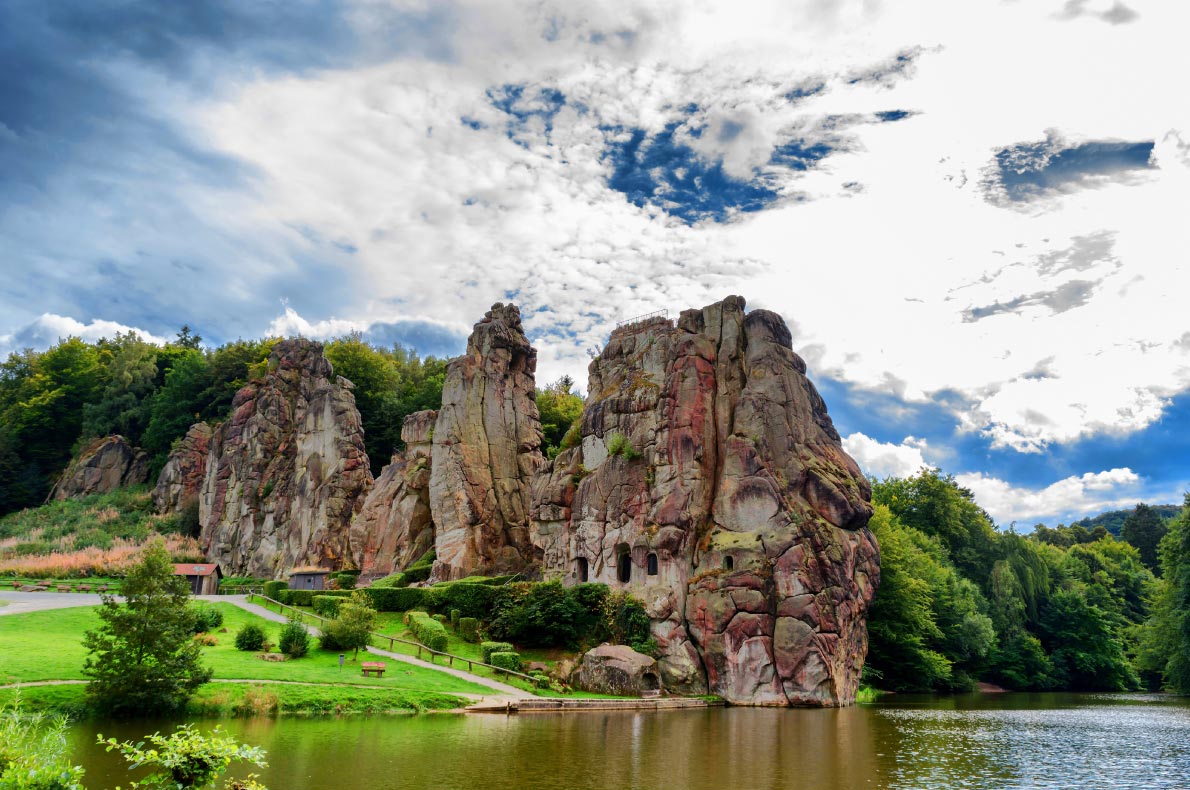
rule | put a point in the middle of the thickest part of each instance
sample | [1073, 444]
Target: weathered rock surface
[619, 670]
[287, 470]
[394, 528]
[101, 467]
[182, 476]
[712, 484]
[486, 450]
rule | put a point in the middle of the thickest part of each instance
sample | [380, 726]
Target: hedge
[392, 580]
[272, 590]
[416, 573]
[428, 631]
[301, 597]
[327, 605]
[469, 629]
[494, 647]
[455, 614]
[506, 660]
[402, 599]
[472, 600]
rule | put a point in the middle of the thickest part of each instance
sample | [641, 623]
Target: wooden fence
[393, 641]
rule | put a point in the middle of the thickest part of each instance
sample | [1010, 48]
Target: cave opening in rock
[582, 569]
[728, 563]
[651, 564]
[650, 682]
[623, 565]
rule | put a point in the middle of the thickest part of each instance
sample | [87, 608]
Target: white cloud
[48, 328]
[290, 324]
[1066, 499]
[884, 459]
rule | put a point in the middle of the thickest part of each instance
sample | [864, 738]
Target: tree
[559, 408]
[142, 660]
[352, 629]
[1165, 639]
[188, 339]
[1144, 528]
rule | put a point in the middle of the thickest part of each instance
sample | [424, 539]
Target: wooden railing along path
[394, 640]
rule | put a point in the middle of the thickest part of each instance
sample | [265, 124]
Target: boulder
[618, 670]
[486, 450]
[394, 527]
[286, 471]
[181, 478]
[711, 484]
[104, 465]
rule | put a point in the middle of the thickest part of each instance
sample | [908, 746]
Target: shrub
[271, 589]
[427, 630]
[402, 599]
[294, 640]
[345, 579]
[300, 597]
[454, 618]
[471, 599]
[494, 647]
[326, 605]
[542, 615]
[469, 629]
[250, 637]
[506, 660]
[618, 444]
[416, 573]
[393, 580]
[207, 618]
[205, 639]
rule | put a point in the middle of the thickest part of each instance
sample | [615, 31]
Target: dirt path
[19, 603]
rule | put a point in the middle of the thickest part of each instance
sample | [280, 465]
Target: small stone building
[202, 577]
[308, 579]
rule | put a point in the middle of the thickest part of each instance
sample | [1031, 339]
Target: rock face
[103, 466]
[486, 449]
[287, 470]
[619, 670]
[181, 478]
[711, 483]
[394, 528]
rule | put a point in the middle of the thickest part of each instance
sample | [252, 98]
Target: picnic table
[373, 667]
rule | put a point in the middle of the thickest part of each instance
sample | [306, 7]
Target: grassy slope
[47, 646]
[125, 513]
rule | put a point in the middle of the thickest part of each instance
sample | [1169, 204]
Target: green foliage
[344, 579]
[469, 629]
[130, 367]
[494, 647]
[294, 640]
[91, 521]
[538, 615]
[272, 589]
[141, 659]
[390, 384]
[1144, 528]
[188, 758]
[326, 605]
[427, 630]
[506, 660]
[560, 409]
[1113, 520]
[392, 580]
[1164, 649]
[33, 751]
[455, 614]
[301, 597]
[401, 599]
[352, 628]
[472, 600]
[207, 618]
[619, 444]
[250, 638]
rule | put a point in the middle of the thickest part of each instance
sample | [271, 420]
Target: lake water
[991, 741]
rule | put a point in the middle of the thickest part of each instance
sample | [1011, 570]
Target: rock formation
[103, 466]
[486, 449]
[394, 527]
[618, 670]
[181, 478]
[287, 470]
[711, 483]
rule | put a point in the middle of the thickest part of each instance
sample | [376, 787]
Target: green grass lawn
[47, 646]
[391, 624]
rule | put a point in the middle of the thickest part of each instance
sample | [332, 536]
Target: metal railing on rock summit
[640, 319]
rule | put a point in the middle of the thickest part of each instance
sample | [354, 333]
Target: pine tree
[142, 660]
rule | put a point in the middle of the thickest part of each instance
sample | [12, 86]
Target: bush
[402, 599]
[295, 639]
[416, 573]
[494, 647]
[300, 597]
[618, 444]
[393, 580]
[344, 579]
[250, 637]
[543, 615]
[326, 605]
[271, 589]
[454, 618]
[506, 660]
[427, 630]
[207, 618]
[469, 629]
[472, 600]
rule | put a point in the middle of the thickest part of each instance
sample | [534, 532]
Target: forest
[1098, 605]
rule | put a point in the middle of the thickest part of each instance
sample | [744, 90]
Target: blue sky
[979, 248]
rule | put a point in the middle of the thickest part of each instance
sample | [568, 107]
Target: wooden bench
[373, 667]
